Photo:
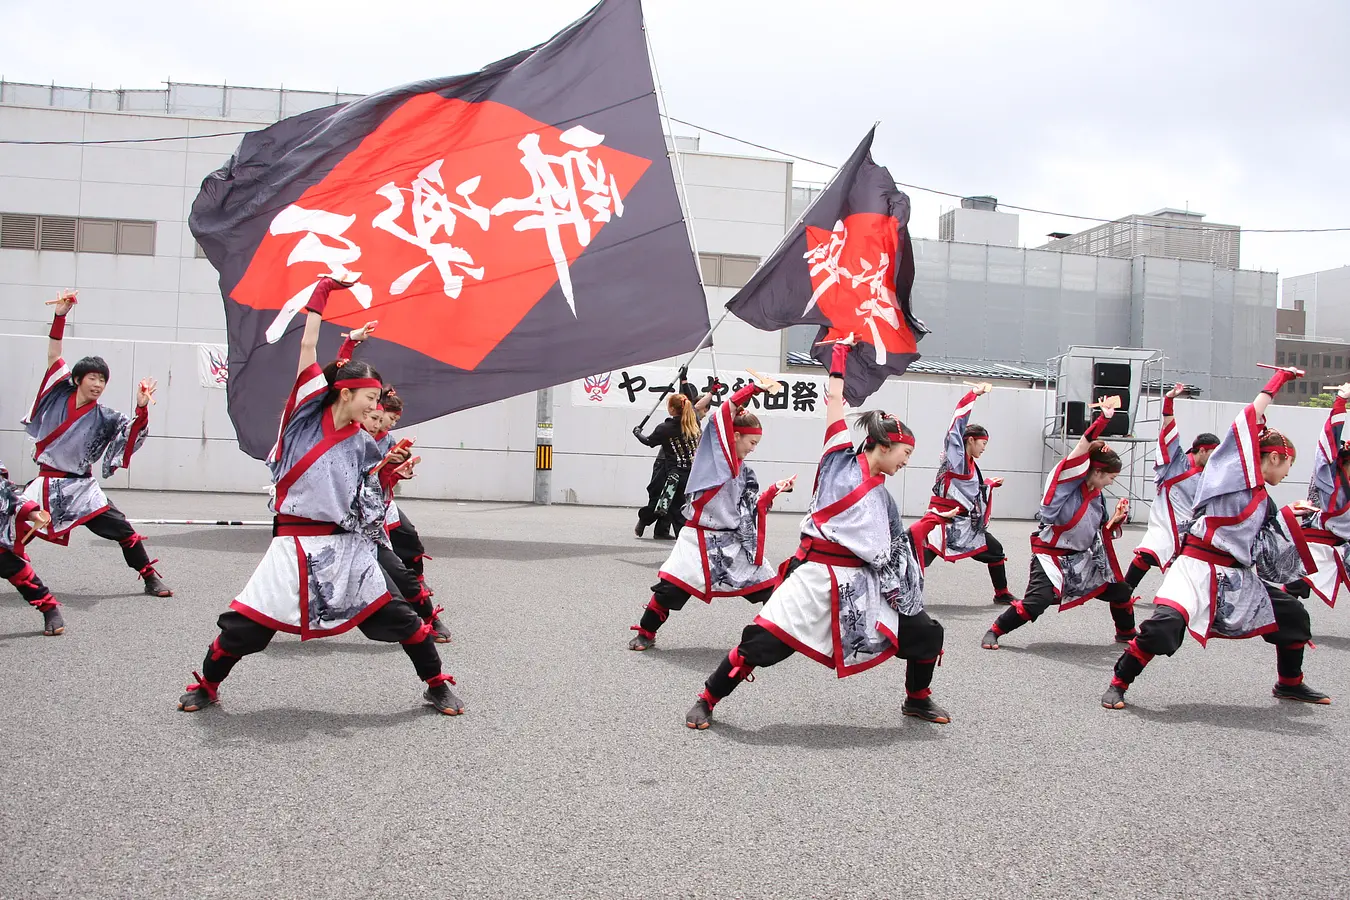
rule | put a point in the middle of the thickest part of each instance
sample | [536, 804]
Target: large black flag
[514, 228]
[847, 266]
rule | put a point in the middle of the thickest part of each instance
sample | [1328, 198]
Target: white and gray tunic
[1073, 547]
[68, 441]
[14, 512]
[320, 576]
[960, 484]
[1175, 478]
[859, 571]
[1238, 543]
[720, 551]
[1328, 532]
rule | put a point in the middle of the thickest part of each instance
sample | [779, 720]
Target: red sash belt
[945, 504]
[1040, 546]
[827, 552]
[1206, 553]
[49, 472]
[1322, 536]
[298, 526]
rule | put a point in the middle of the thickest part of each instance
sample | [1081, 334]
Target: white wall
[488, 453]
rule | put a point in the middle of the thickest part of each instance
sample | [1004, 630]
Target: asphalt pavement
[322, 773]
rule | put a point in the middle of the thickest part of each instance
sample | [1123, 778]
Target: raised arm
[1108, 407]
[1278, 379]
[834, 388]
[318, 301]
[954, 448]
[62, 303]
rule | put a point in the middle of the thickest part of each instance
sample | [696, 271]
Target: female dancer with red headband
[401, 559]
[962, 487]
[1328, 531]
[1073, 556]
[853, 594]
[1237, 552]
[720, 551]
[19, 518]
[321, 575]
[1175, 476]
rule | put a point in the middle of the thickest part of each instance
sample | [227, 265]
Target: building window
[1279, 357]
[721, 270]
[70, 234]
[98, 236]
[1303, 387]
[1340, 362]
[1303, 360]
[1326, 362]
[1289, 388]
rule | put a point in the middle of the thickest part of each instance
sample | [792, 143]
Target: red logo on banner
[853, 281]
[459, 216]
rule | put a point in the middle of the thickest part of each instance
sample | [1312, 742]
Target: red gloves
[839, 359]
[1279, 379]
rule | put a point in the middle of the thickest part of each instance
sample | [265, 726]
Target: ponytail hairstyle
[1102, 458]
[1204, 441]
[678, 405]
[353, 375]
[1276, 442]
[89, 365]
[391, 402]
[881, 429]
[745, 423]
[976, 432]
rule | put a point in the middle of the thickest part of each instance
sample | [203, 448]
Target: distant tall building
[978, 221]
[1324, 299]
[1165, 233]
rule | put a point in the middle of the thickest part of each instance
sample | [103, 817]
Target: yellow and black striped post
[543, 447]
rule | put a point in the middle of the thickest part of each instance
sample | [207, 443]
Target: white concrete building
[110, 219]
[1324, 298]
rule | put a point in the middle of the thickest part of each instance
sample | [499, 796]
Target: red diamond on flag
[853, 281]
[459, 216]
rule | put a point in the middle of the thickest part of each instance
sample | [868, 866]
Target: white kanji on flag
[433, 212]
[314, 224]
[557, 202]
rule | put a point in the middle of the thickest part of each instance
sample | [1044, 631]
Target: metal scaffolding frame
[1145, 411]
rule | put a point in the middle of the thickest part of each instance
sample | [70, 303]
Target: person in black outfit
[677, 437]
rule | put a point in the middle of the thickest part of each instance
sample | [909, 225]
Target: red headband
[892, 427]
[748, 430]
[1102, 465]
[354, 384]
[1204, 447]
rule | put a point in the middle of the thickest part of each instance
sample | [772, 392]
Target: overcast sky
[1236, 109]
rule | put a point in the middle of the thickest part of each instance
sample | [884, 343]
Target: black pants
[408, 544]
[394, 622]
[918, 638]
[1138, 569]
[992, 556]
[673, 520]
[16, 570]
[111, 525]
[1040, 596]
[666, 598]
[1163, 633]
[402, 582]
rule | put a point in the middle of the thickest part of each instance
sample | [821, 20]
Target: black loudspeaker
[1075, 420]
[1120, 422]
[1111, 375]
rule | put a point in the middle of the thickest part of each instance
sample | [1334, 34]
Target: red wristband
[319, 299]
[58, 327]
[1098, 425]
[839, 358]
[1277, 381]
[347, 352]
[1167, 406]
